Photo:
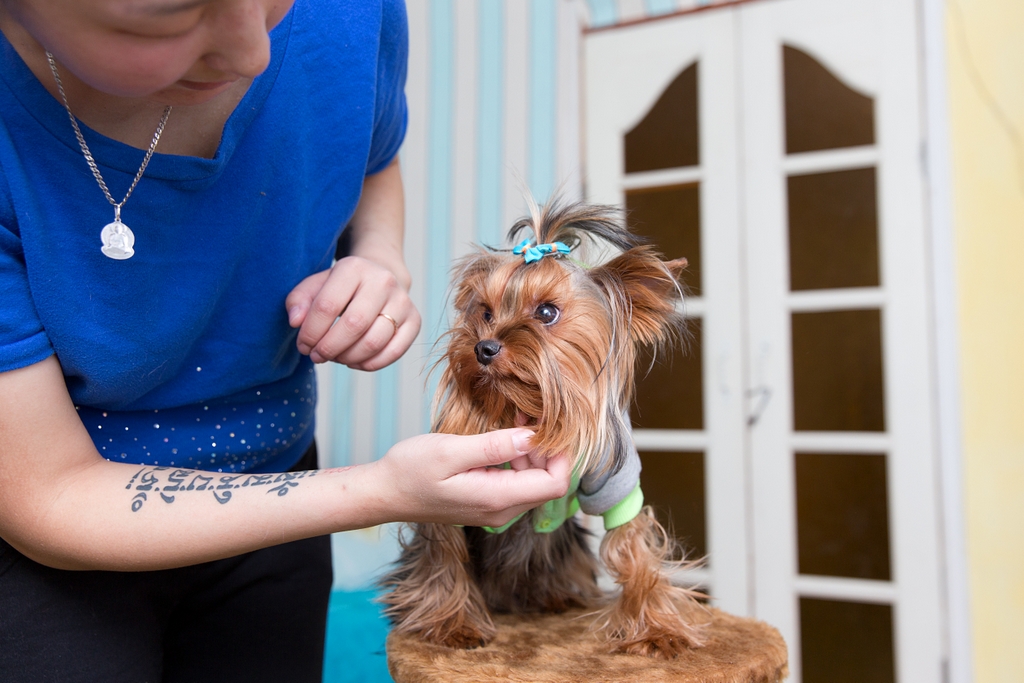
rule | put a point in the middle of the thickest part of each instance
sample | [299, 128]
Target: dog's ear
[648, 290]
[468, 277]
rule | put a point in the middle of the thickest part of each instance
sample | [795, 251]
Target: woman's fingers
[301, 297]
[358, 329]
[458, 479]
[315, 313]
[475, 460]
[460, 454]
[400, 338]
[345, 314]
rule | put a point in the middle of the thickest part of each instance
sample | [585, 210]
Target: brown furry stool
[557, 648]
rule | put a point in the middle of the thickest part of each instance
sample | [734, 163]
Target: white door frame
[870, 45]
[939, 165]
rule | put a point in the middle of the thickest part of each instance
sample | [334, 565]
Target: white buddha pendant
[118, 239]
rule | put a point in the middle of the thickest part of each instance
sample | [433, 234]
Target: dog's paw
[663, 647]
[467, 639]
[459, 631]
[464, 636]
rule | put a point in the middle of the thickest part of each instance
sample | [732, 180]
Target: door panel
[806, 403]
[848, 347]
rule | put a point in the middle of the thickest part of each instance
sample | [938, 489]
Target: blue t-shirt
[182, 355]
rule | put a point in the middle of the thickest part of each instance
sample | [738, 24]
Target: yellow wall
[986, 78]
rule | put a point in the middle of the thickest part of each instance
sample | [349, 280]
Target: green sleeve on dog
[625, 510]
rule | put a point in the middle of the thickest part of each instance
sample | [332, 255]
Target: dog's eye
[487, 315]
[546, 313]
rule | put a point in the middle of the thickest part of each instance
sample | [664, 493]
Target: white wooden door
[813, 350]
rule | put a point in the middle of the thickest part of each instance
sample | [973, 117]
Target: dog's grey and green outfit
[616, 496]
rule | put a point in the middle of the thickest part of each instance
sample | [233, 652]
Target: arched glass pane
[822, 112]
[667, 137]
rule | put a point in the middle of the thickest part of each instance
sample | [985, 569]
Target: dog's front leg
[651, 616]
[431, 592]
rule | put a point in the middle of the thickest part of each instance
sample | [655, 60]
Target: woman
[157, 334]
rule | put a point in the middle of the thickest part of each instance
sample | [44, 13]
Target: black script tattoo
[171, 483]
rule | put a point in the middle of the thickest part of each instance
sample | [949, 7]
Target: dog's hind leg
[431, 593]
[651, 616]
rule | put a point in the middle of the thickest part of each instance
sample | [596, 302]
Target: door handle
[761, 394]
[759, 397]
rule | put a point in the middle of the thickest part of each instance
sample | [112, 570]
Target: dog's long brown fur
[651, 616]
[572, 381]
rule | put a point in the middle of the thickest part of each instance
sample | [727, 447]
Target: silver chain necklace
[117, 238]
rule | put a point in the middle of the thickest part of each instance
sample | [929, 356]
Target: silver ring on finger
[390, 320]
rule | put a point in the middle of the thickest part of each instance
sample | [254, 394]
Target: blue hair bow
[532, 253]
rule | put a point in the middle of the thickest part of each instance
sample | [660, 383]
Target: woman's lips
[203, 85]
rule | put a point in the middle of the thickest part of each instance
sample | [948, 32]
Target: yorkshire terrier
[544, 341]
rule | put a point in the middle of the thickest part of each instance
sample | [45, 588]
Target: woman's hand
[345, 315]
[458, 479]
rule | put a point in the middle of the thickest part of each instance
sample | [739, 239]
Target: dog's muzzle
[487, 350]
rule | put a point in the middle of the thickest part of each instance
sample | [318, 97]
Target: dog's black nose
[487, 350]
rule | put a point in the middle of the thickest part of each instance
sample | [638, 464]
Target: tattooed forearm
[168, 483]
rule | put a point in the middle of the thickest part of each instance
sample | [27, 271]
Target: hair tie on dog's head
[536, 253]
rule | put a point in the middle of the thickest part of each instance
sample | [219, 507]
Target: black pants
[256, 617]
